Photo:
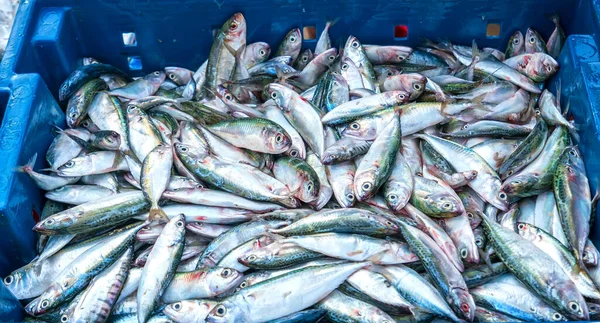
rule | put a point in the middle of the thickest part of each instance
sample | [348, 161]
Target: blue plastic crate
[50, 35]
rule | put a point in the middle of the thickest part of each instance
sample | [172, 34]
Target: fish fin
[56, 130]
[188, 91]
[157, 214]
[595, 202]
[558, 93]
[28, 166]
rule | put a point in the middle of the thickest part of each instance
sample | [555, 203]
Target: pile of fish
[361, 184]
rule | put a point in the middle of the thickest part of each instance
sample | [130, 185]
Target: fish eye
[262, 52]
[509, 173]
[478, 242]
[572, 152]
[279, 138]
[354, 126]
[293, 153]
[331, 58]
[574, 306]
[183, 149]
[244, 284]
[502, 196]
[86, 123]
[251, 257]
[392, 197]
[228, 96]
[557, 316]
[131, 107]
[344, 67]
[549, 69]
[516, 41]
[44, 304]
[292, 39]
[157, 73]
[401, 96]
[70, 163]
[465, 126]
[309, 186]
[49, 221]
[233, 25]
[532, 40]
[355, 44]
[180, 224]
[417, 86]
[350, 196]
[389, 223]
[464, 306]
[8, 280]
[177, 306]
[470, 215]
[226, 272]
[73, 115]
[367, 186]
[447, 205]
[521, 226]
[517, 182]
[538, 112]
[64, 87]
[221, 310]
[463, 254]
[172, 76]
[305, 58]
[274, 95]
[389, 73]
[64, 318]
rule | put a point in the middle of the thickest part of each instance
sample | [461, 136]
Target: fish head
[58, 221]
[156, 78]
[234, 29]
[259, 52]
[73, 113]
[220, 279]
[349, 70]
[463, 302]
[474, 218]
[326, 58]
[280, 94]
[305, 57]
[364, 186]
[47, 301]
[447, 204]
[382, 222]
[396, 97]
[108, 139]
[361, 128]
[188, 153]
[259, 256]
[414, 83]
[187, 309]
[149, 233]
[516, 184]
[277, 139]
[397, 197]
[354, 50]
[516, 44]
[17, 280]
[534, 42]
[528, 231]
[291, 43]
[541, 66]
[573, 303]
[571, 158]
[83, 162]
[227, 311]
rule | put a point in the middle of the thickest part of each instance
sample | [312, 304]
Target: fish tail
[157, 214]
[28, 166]
[330, 23]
